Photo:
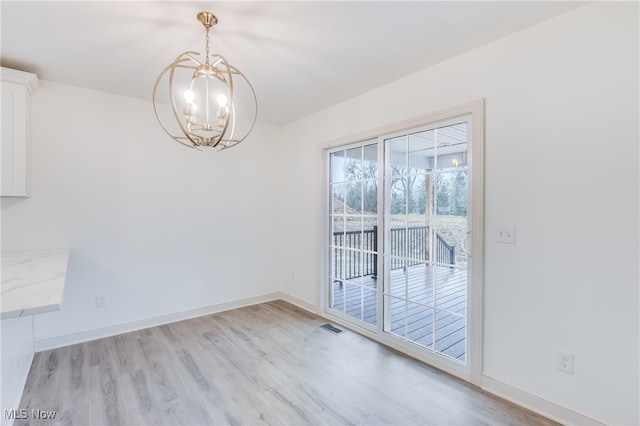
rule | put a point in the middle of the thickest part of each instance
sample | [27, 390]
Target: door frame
[472, 371]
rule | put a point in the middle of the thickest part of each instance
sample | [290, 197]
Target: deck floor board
[412, 293]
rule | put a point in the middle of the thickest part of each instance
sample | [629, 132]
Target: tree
[367, 197]
[421, 197]
[459, 193]
[402, 184]
[442, 194]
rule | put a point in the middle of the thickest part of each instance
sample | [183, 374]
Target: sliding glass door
[404, 217]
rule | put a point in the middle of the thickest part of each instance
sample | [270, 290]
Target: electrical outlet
[506, 234]
[565, 362]
[101, 301]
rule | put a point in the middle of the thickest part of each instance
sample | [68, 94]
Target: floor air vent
[331, 328]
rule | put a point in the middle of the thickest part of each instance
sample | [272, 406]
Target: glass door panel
[426, 235]
[353, 236]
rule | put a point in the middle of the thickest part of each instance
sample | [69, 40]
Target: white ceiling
[301, 57]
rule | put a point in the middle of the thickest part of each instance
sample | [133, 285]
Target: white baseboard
[299, 303]
[535, 403]
[113, 330]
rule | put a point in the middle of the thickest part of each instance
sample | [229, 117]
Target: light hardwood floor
[264, 364]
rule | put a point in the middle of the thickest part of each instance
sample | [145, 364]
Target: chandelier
[212, 102]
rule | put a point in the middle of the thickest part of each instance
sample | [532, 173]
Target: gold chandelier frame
[196, 133]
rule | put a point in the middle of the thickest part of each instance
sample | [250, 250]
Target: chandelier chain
[207, 47]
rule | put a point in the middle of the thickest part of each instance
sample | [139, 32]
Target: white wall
[156, 227]
[561, 164]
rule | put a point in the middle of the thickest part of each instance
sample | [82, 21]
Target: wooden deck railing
[445, 253]
[409, 246]
[357, 263]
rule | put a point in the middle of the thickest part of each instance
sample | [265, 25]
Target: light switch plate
[506, 234]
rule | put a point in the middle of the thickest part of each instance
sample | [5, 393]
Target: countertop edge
[58, 283]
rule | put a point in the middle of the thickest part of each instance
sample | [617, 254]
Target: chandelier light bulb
[189, 96]
[222, 100]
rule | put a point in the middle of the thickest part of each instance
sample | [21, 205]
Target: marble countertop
[32, 281]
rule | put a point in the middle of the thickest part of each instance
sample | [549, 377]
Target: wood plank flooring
[415, 318]
[264, 364]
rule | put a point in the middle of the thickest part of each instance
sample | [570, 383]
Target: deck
[413, 319]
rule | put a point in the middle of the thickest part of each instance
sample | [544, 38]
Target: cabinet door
[15, 150]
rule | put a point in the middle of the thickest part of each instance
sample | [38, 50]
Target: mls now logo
[25, 414]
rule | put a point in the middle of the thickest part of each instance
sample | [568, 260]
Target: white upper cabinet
[17, 88]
